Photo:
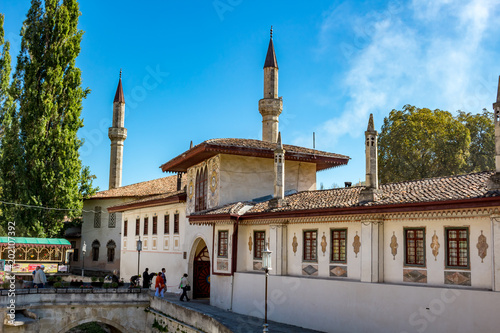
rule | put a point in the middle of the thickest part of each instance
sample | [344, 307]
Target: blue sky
[192, 70]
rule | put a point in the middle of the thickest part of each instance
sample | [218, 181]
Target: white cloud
[428, 53]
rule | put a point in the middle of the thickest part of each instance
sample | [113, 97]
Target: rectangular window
[457, 247]
[112, 220]
[310, 239]
[176, 223]
[76, 255]
[146, 225]
[155, 225]
[260, 244]
[415, 246]
[223, 235]
[339, 237]
[137, 226]
[125, 228]
[97, 217]
[166, 224]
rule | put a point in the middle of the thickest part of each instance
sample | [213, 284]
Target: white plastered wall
[245, 178]
[334, 305]
[435, 266]
[172, 251]
[102, 234]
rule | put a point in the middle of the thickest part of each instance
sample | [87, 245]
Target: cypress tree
[46, 103]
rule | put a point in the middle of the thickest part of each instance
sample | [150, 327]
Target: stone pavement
[235, 322]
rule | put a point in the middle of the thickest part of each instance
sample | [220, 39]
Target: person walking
[146, 279]
[40, 278]
[164, 276]
[184, 285]
[159, 285]
[34, 273]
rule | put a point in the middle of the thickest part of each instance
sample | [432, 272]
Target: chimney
[279, 175]
[494, 182]
[348, 184]
[371, 182]
[179, 181]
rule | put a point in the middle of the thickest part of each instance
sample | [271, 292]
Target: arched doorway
[201, 271]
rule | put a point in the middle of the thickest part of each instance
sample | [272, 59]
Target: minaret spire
[271, 105]
[117, 134]
[371, 182]
[496, 115]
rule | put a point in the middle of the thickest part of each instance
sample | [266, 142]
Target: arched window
[111, 250]
[95, 250]
[201, 190]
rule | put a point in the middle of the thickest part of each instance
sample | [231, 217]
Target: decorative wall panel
[415, 275]
[339, 271]
[311, 270]
[356, 244]
[457, 278]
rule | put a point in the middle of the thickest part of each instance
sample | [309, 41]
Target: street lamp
[84, 250]
[139, 249]
[266, 266]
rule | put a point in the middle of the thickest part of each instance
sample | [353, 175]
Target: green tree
[40, 164]
[482, 133]
[419, 143]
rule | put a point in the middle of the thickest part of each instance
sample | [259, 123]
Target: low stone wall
[157, 322]
[173, 314]
[57, 311]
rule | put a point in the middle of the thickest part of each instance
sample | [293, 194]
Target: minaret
[496, 112]
[279, 170]
[371, 136]
[271, 105]
[117, 134]
[371, 181]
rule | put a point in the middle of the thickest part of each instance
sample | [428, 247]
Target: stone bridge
[59, 310]
[122, 310]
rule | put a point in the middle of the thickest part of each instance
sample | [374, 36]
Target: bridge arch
[116, 328]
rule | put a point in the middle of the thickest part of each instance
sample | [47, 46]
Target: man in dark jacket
[146, 280]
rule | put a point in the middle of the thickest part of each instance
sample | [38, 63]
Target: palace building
[379, 257]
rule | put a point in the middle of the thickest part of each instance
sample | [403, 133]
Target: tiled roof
[231, 209]
[450, 188]
[462, 187]
[154, 200]
[148, 188]
[265, 145]
[250, 147]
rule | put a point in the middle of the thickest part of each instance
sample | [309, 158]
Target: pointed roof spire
[371, 126]
[191, 145]
[279, 145]
[271, 55]
[119, 97]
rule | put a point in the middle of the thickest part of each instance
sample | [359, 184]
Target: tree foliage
[482, 134]
[419, 143]
[40, 163]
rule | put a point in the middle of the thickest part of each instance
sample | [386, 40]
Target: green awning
[43, 242]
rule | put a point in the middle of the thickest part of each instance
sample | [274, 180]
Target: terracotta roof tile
[147, 188]
[270, 146]
[425, 190]
[250, 147]
[462, 187]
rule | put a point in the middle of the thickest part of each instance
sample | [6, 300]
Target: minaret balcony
[270, 106]
[117, 133]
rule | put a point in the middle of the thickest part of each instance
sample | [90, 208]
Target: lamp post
[266, 266]
[84, 250]
[139, 249]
